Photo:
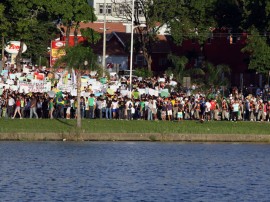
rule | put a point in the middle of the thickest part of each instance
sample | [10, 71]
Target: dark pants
[91, 112]
[235, 116]
[10, 110]
[121, 113]
[247, 115]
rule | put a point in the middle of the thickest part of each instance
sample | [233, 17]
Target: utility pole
[104, 38]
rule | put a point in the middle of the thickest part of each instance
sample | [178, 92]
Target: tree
[4, 26]
[146, 13]
[215, 76]
[178, 66]
[257, 22]
[259, 51]
[191, 19]
[31, 25]
[70, 14]
[81, 59]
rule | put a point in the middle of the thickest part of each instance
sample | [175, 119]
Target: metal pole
[104, 38]
[3, 53]
[131, 48]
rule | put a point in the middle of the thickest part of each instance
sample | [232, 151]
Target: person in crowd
[169, 109]
[2, 105]
[175, 110]
[87, 108]
[92, 105]
[23, 103]
[247, 109]
[129, 106]
[18, 108]
[109, 108]
[260, 116]
[45, 111]
[51, 108]
[82, 107]
[164, 111]
[10, 106]
[121, 109]
[180, 111]
[39, 107]
[115, 108]
[208, 110]
[197, 110]
[235, 110]
[33, 106]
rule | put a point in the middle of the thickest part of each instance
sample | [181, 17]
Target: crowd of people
[174, 106]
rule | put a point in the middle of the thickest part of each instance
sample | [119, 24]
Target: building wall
[113, 11]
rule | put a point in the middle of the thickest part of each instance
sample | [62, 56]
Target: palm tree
[81, 59]
[179, 66]
[215, 75]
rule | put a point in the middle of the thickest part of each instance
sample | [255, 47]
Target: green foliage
[90, 35]
[78, 57]
[178, 67]
[259, 50]
[190, 19]
[143, 72]
[216, 75]
[71, 14]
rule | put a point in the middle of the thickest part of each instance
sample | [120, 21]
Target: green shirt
[91, 101]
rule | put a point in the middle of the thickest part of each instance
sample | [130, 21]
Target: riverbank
[121, 130]
[135, 137]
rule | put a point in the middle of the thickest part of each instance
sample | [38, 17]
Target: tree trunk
[148, 59]
[19, 57]
[67, 35]
[149, 63]
[79, 120]
[3, 53]
[76, 34]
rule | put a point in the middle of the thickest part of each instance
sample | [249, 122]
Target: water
[133, 171]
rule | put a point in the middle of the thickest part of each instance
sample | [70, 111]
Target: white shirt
[11, 101]
[207, 106]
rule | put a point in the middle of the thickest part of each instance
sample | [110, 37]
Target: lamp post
[131, 49]
[104, 39]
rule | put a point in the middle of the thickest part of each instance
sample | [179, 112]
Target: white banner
[34, 87]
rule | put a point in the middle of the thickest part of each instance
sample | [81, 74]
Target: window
[108, 8]
[100, 8]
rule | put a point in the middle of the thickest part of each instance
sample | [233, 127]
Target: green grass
[117, 126]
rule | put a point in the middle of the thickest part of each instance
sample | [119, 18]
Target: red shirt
[18, 103]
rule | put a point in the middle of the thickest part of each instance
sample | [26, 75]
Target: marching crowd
[145, 107]
[176, 106]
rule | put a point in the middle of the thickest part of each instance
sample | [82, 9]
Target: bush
[143, 72]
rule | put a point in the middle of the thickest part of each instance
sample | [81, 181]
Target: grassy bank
[126, 127]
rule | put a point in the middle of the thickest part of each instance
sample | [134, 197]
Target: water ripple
[106, 171]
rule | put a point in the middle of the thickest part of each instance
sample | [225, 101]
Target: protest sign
[26, 70]
[153, 92]
[141, 91]
[124, 92]
[34, 87]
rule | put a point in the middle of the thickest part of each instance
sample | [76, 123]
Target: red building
[221, 48]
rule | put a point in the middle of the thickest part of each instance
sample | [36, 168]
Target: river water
[133, 171]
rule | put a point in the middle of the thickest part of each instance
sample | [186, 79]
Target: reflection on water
[133, 171]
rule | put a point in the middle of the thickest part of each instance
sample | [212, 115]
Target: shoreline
[159, 137]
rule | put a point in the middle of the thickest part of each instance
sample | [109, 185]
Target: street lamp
[131, 45]
[104, 39]
[131, 49]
